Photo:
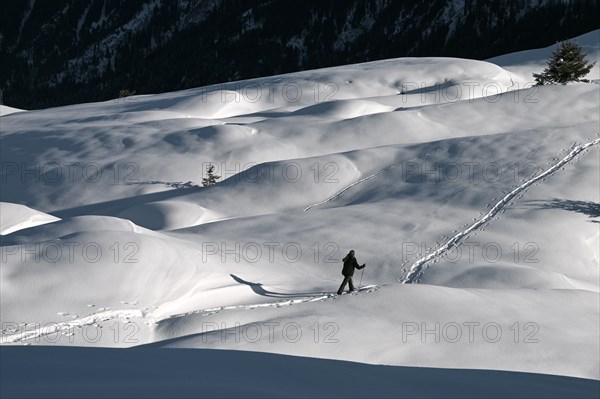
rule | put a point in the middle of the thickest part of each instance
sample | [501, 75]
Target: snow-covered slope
[4, 110]
[525, 63]
[225, 374]
[472, 198]
[14, 217]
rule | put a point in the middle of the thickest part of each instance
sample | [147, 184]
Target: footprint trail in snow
[417, 266]
[66, 328]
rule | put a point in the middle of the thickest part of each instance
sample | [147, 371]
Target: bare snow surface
[4, 110]
[473, 198]
[18, 217]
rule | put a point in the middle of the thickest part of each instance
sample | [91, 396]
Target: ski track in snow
[417, 266]
[313, 298]
[67, 327]
[413, 274]
[12, 336]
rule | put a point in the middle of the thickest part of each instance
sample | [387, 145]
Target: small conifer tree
[210, 178]
[567, 64]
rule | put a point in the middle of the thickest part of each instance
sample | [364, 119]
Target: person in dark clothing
[350, 263]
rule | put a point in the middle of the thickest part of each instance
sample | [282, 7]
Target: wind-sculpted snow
[15, 217]
[4, 110]
[406, 161]
[33, 331]
[417, 267]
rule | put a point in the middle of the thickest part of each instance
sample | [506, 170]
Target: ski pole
[361, 274]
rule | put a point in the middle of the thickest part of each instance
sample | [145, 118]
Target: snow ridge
[356, 183]
[417, 267]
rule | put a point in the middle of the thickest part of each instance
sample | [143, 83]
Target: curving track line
[417, 266]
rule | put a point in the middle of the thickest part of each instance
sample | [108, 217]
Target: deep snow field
[473, 198]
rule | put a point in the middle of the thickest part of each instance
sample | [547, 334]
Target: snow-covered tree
[210, 178]
[567, 64]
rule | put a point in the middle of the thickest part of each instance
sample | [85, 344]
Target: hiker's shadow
[588, 208]
[260, 290]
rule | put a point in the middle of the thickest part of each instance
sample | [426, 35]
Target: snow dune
[4, 110]
[448, 174]
[14, 217]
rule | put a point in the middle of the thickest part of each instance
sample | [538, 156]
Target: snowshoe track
[314, 298]
[12, 336]
[498, 207]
